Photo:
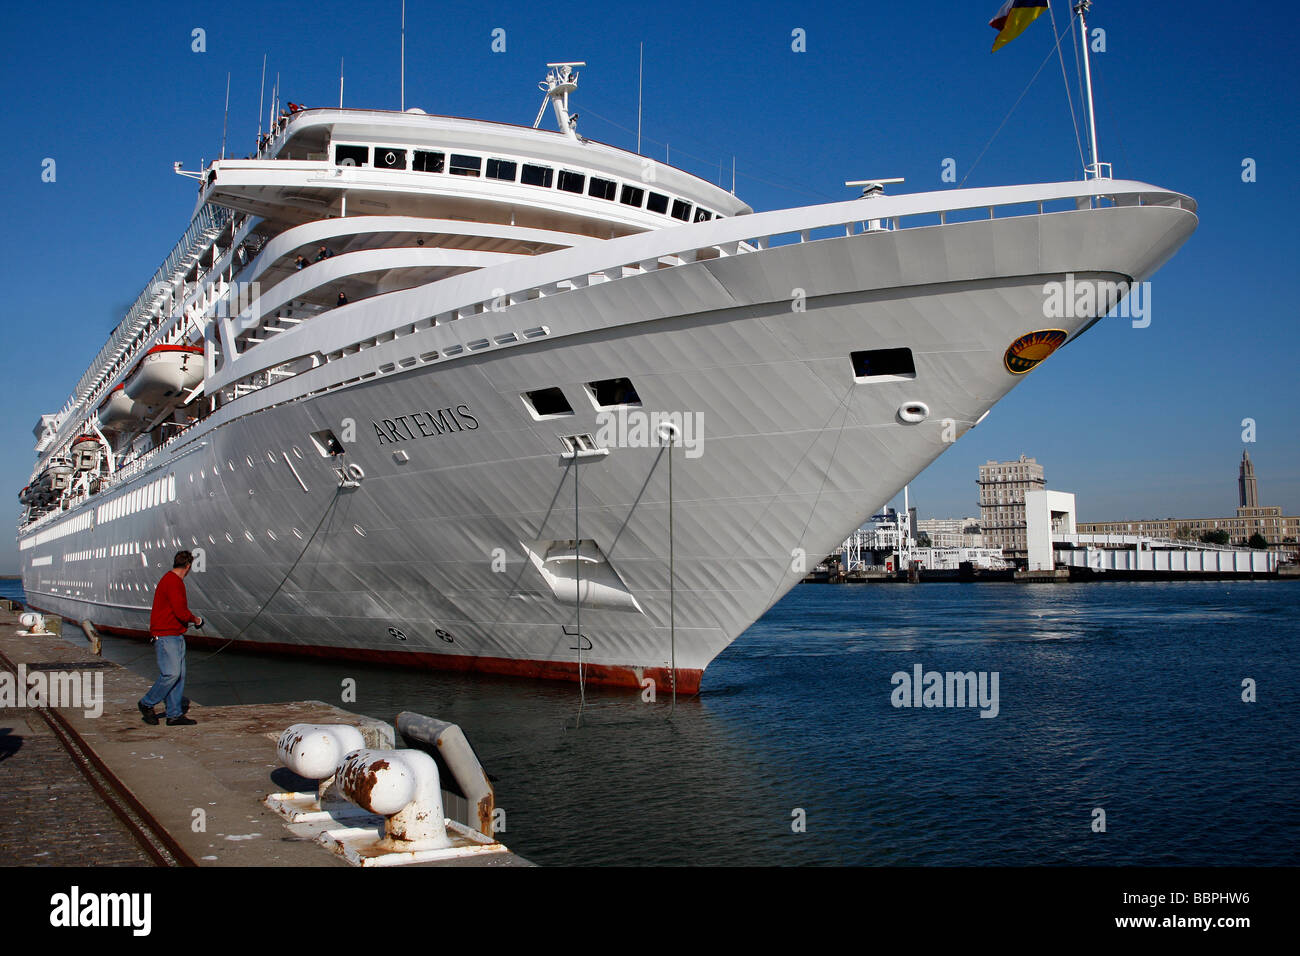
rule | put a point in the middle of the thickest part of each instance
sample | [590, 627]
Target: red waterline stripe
[607, 675]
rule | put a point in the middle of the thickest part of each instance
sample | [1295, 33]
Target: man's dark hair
[183, 559]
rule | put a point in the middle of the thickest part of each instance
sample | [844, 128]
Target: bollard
[315, 751]
[447, 742]
[92, 635]
[402, 786]
[35, 623]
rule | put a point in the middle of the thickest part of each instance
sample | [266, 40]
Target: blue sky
[1137, 422]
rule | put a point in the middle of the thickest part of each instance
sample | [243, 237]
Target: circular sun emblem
[1031, 348]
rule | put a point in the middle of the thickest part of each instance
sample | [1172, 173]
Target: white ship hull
[424, 560]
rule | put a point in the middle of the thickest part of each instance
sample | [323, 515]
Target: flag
[1013, 18]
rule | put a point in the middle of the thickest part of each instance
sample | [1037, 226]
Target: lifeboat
[119, 412]
[25, 496]
[60, 467]
[86, 452]
[165, 375]
[85, 443]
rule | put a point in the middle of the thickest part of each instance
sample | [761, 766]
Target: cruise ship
[462, 394]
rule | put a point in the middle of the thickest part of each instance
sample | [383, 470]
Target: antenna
[225, 123]
[261, 100]
[403, 56]
[340, 82]
[559, 83]
[1094, 170]
[640, 73]
[872, 187]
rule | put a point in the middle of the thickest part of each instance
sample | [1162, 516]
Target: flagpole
[1094, 170]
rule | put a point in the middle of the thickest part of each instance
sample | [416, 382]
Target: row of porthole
[71, 526]
[160, 491]
[230, 463]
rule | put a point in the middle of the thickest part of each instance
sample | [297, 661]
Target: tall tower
[1248, 490]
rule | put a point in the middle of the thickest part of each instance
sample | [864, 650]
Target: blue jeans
[171, 675]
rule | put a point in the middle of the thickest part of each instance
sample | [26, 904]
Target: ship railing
[204, 229]
[485, 290]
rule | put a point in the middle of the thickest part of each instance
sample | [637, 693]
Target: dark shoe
[181, 721]
[147, 713]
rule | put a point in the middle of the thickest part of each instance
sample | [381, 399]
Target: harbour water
[1123, 697]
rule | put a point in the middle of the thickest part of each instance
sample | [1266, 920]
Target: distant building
[1247, 489]
[1003, 485]
[1282, 532]
[951, 532]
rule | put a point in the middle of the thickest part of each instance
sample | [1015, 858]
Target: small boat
[165, 375]
[119, 411]
[85, 443]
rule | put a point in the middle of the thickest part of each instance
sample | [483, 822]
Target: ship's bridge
[325, 163]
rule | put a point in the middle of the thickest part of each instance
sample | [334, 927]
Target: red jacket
[170, 612]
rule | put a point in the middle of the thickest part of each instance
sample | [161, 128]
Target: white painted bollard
[34, 623]
[315, 751]
[403, 787]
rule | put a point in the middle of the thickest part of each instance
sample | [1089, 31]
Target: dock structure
[132, 794]
[1055, 543]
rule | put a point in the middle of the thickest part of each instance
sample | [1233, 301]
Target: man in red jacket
[171, 615]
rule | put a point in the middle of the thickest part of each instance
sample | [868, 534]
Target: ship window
[390, 157]
[351, 155]
[632, 196]
[880, 362]
[657, 202]
[547, 401]
[702, 215]
[602, 188]
[614, 391]
[681, 210]
[572, 182]
[466, 165]
[326, 443]
[427, 162]
[537, 175]
[502, 169]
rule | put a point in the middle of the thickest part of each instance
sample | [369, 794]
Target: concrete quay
[81, 788]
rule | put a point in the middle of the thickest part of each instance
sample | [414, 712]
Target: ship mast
[559, 83]
[1094, 169]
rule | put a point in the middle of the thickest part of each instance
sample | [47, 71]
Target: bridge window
[502, 169]
[466, 165]
[351, 155]
[602, 188]
[657, 202]
[681, 210]
[632, 196]
[427, 162]
[537, 176]
[572, 182]
[390, 157]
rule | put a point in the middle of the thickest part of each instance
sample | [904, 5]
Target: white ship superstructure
[473, 395]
